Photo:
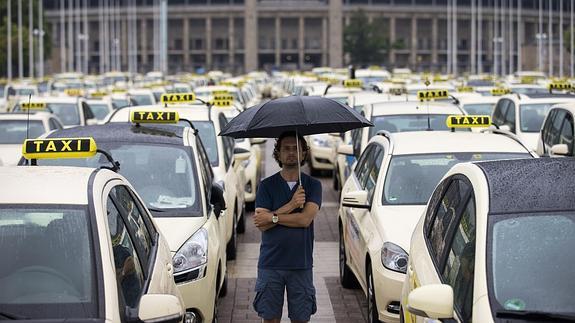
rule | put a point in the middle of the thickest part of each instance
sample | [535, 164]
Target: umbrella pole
[298, 161]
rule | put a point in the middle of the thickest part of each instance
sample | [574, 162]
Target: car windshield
[14, 131]
[142, 99]
[120, 103]
[100, 110]
[341, 99]
[25, 92]
[67, 112]
[409, 122]
[410, 179]
[479, 109]
[534, 250]
[47, 268]
[530, 90]
[532, 116]
[164, 176]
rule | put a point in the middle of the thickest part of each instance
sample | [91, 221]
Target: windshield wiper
[536, 315]
[156, 210]
[12, 316]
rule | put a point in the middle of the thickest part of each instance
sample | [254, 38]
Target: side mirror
[356, 199]
[160, 308]
[433, 301]
[241, 154]
[217, 199]
[560, 150]
[345, 150]
[257, 141]
[505, 127]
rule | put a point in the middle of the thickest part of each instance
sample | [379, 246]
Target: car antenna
[428, 116]
[209, 105]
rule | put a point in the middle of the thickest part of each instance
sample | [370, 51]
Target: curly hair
[303, 146]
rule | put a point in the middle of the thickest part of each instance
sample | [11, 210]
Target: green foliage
[366, 43]
[14, 38]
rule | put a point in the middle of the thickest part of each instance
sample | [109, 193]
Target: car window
[510, 116]
[434, 201]
[365, 162]
[500, 111]
[566, 136]
[444, 219]
[459, 266]
[227, 142]
[371, 178]
[205, 170]
[129, 273]
[135, 221]
[546, 132]
[356, 136]
[15, 131]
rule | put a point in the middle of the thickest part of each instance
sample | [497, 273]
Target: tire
[346, 276]
[231, 247]
[224, 289]
[372, 312]
[215, 315]
[335, 179]
[241, 228]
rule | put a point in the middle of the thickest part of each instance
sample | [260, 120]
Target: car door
[355, 234]
[231, 177]
[566, 133]
[449, 231]
[142, 258]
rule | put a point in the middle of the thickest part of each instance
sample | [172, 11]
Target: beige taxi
[385, 195]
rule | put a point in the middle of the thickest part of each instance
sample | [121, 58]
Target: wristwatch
[275, 218]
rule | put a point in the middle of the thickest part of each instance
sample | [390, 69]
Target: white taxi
[523, 114]
[386, 193]
[221, 152]
[15, 127]
[72, 111]
[495, 243]
[557, 132]
[86, 250]
[169, 168]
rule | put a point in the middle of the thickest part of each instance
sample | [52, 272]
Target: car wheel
[241, 228]
[215, 317]
[224, 288]
[346, 276]
[335, 179]
[372, 313]
[231, 248]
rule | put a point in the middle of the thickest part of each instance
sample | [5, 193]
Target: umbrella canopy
[306, 115]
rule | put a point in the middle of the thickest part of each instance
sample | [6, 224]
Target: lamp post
[496, 41]
[541, 37]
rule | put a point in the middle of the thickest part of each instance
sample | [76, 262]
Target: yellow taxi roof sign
[178, 98]
[119, 90]
[154, 117]
[472, 121]
[73, 92]
[223, 97]
[33, 105]
[98, 94]
[221, 103]
[353, 83]
[500, 91]
[397, 90]
[59, 148]
[432, 94]
[466, 89]
[559, 86]
[220, 92]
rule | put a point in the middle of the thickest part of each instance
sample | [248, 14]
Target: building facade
[245, 35]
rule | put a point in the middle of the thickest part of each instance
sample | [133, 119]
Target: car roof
[541, 97]
[68, 185]
[54, 99]
[126, 132]
[570, 106]
[530, 185]
[414, 107]
[39, 115]
[429, 142]
[186, 111]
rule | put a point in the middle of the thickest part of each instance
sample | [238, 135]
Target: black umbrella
[306, 115]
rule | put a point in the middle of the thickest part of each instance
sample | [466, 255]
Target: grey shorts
[270, 287]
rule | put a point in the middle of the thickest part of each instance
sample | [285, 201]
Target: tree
[365, 41]
[14, 38]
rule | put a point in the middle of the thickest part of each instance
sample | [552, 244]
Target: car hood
[10, 154]
[177, 230]
[396, 223]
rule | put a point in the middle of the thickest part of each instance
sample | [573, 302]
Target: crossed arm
[263, 217]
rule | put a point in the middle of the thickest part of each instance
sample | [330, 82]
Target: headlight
[193, 254]
[393, 257]
[321, 142]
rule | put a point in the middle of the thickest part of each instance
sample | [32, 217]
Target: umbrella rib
[303, 111]
[254, 117]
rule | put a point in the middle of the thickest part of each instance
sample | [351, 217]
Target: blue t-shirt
[284, 247]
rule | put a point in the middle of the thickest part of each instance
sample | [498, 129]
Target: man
[285, 210]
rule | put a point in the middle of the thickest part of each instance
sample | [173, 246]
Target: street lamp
[83, 38]
[541, 37]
